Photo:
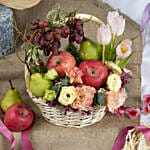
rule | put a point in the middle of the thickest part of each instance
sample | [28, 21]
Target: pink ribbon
[7, 134]
[120, 141]
[25, 142]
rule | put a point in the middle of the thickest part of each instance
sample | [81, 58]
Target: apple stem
[11, 85]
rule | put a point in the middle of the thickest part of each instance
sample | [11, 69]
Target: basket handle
[89, 17]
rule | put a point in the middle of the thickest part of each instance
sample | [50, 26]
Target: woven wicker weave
[71, 119]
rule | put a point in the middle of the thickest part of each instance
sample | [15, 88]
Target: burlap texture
[46, 136]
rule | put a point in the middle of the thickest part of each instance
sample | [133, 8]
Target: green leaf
[59, 106]
[56, 89]
[107, 51]
[122, 62]
[100, 98]
[65, 81]
[44, 69]
[57, 17]
[122, 38]
[113, 56]
[126, 88]
[35, 69]
[72, 49]
[134, 38]
[95, 99]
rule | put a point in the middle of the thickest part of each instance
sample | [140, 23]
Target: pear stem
[11, 85]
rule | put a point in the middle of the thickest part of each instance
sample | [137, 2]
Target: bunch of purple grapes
[48, 39]
[76, 31]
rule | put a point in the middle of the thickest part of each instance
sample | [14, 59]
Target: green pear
[90, 50]
[39, 85]
[11, 97]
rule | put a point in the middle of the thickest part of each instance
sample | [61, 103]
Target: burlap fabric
[46, 136]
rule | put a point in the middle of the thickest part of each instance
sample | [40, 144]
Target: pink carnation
[75, 75]
[85, 95]
[115, 99]
[133, 113]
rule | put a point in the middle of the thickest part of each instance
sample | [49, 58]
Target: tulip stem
[113, 45]
[103, 58]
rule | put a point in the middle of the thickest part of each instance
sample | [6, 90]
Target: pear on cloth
[11, 97]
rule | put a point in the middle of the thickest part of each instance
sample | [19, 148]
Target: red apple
[18, 117]
[95, 73]
[61, 62]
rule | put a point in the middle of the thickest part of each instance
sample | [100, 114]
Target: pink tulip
[124, 49]
[116, 22]
[104, 34]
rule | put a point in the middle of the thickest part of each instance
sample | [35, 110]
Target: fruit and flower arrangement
[86, 73]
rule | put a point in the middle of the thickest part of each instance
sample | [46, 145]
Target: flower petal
[133, 113]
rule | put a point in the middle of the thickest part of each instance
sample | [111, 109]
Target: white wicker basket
[71, 119]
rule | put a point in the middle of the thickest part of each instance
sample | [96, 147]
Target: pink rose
[85, 95]
[115, 99]
[132, 113]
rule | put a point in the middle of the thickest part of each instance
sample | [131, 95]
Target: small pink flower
[75, 75]
[124, 49]
[85, 95]
[117, 23]
[120, 111]
[115, 99]
[133, 113]
[104, 34]
[147, 99]
[146, 109]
